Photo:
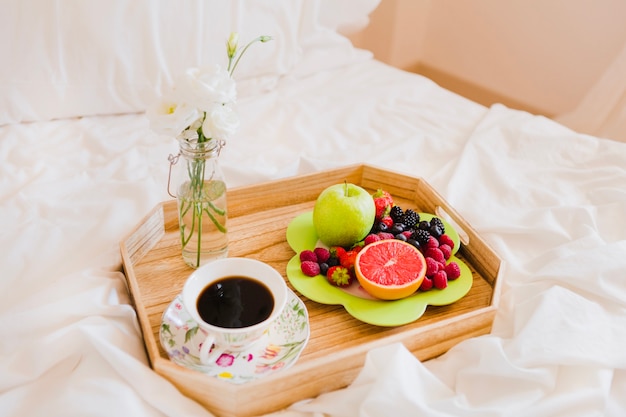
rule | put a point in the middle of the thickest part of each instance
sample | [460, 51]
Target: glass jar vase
[200, 190]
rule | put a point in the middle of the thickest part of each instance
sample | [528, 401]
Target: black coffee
[235, 302]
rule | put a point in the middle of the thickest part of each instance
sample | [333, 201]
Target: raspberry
[452, 270]
[440, 280]
[446, 240]
[371, 238]
[308, 255]
[426, 284]
[447, 251]
[436, 254]
[310, 268]
[432, 267]
[432, 242]
[322, 254]
[385, 235]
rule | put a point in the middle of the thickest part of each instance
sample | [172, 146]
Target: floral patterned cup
[223, 298]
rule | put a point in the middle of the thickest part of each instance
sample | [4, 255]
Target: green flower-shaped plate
[358, 303]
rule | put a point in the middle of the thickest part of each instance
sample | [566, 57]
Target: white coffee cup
[230, 321]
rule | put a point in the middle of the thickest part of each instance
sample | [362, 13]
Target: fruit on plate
[425, 233]
[390, 269]
[343, 214]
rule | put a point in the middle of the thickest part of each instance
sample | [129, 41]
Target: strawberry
[348, 259]
[358, 246]
[339, 276]
[381, 207]
[383, 202]
[387, 220]
[337, 251]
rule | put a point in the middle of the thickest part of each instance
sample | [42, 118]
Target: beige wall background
[544, 56]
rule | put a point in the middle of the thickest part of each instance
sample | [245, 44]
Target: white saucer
[279, 348]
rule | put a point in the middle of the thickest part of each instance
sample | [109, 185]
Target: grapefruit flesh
[390, 269]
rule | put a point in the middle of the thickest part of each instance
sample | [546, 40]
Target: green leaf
[191, 333]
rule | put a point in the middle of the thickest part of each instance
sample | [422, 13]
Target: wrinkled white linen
[550, 201]
[552, 204]
[71, 58]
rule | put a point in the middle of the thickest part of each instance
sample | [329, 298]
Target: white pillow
[72, 58]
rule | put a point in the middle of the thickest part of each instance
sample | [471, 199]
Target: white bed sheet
[550, 201]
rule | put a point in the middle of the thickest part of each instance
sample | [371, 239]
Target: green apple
[343, 214]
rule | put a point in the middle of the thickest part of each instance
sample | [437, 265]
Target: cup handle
[206, 356]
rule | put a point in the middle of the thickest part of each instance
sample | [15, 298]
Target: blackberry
[410, 218]
[421, 236]
[396, 213]
[436, 221]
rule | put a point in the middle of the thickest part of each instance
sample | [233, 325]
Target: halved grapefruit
[390, 269]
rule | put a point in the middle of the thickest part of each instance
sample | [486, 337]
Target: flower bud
[231, 46]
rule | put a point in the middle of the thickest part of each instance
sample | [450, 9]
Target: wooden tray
[258, 218]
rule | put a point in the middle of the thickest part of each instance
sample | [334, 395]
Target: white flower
[170, 117]
[200, 106]
[206, 88]
[220, 123]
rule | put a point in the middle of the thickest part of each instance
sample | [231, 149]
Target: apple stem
[345, 188]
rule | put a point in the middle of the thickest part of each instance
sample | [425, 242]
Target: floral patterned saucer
[279, 348]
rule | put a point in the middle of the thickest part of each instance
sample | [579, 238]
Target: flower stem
[243, 51]
[199, 233]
